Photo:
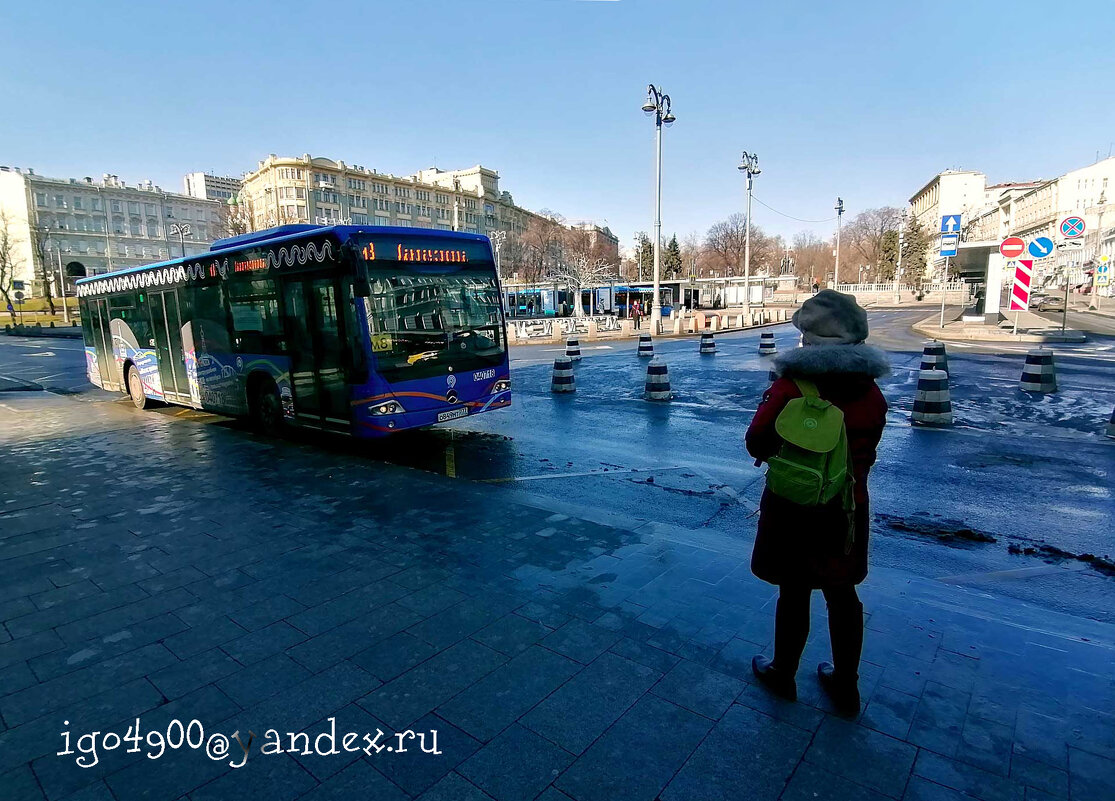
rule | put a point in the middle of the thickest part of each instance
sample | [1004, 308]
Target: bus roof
[284, 233]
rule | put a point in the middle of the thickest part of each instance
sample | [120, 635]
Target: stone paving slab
[163, 570]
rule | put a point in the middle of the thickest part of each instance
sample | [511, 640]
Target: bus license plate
[452, 414]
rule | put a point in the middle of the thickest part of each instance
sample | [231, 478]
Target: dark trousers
[791, 628]
[638, 318]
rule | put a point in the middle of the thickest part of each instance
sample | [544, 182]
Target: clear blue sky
[866, 100]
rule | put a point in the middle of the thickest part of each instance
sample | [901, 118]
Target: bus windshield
[423, 320]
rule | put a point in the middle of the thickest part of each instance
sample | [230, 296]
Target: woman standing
[805, 548]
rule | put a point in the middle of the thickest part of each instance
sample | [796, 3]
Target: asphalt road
[1024, 471]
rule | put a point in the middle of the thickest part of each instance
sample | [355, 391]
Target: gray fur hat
[831, 318]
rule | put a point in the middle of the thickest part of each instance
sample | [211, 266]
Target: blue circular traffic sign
[1041, 247]
[1072, 227]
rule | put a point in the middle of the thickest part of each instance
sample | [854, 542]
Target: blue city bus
[363, 330]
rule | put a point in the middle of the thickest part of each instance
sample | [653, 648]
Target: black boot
[780, 682]
[843, 692]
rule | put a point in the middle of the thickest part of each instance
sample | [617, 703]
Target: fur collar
[814, 360]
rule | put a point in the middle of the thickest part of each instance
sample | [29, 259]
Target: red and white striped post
[1020, 292]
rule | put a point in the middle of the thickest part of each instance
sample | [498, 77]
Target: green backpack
[812, 466]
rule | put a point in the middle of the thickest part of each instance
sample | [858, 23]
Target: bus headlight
[390, 407]
[503, 385]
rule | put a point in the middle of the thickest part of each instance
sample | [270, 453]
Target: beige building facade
[322, 191]
[92, 226]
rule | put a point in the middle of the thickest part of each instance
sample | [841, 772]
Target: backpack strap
[808, 388]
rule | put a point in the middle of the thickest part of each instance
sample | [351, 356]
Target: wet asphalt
[1016, 473]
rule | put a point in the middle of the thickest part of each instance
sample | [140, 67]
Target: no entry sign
[1012, 247]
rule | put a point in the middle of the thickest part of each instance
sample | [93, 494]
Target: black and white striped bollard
[646, 347]
[573, 349]
[657, 387]
[933, 357]
[932, 404]
[1111, 425]
[766, 344]
[562, 380]
[1038, 374]
[708, 343]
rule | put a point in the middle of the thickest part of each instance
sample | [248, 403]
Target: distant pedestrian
[530, 308]
[813, 545]
[816, 287]
[636, 313]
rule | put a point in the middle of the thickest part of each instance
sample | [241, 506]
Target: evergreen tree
[671, 259]
[915, 250]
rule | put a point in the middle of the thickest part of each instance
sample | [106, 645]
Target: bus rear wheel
[135, 388]
[266, 409]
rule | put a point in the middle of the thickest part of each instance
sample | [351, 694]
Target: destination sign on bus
[432, 255]
[425, 251]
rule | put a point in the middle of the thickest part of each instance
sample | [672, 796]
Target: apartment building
[320, 190]
[92, 226]
[211, 187]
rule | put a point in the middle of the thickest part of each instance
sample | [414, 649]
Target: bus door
[102, 339]
[315, 326]
[166, 323]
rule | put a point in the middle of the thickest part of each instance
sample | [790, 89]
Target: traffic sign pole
[944, 293]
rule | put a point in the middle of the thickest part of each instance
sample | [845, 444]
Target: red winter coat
[805, 545]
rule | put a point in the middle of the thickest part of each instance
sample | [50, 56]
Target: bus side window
[210, 319]
[257, 326]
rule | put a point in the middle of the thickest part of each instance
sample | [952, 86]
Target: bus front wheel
[266, 408]
[135, 388]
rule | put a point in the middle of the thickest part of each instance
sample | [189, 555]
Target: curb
[55, 333]
[929, 328]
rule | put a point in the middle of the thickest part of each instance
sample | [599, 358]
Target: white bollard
[1038, 374]
[708, 343]
[562, 380]
[573, 349]
[657, 387]
[767, 347]
[646, 347]
[932, 404]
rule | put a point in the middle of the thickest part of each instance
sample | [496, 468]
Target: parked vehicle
[1051, 303]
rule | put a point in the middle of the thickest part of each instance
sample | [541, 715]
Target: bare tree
[10, 260]
[726, 243]
[692, 254]
[869, 235]
[43, 255]
[579, 272]
[813, 257]
[543, 244]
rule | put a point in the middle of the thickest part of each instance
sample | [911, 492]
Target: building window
[382, 220]
[77, 203]
[152, 227]
[133, 226]
[359, 219]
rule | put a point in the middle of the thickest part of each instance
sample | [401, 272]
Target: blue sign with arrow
[1041, 247]
[949, 244]
[950, 223]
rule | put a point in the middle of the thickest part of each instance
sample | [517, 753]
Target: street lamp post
[658, 104]
[839, 213]
[183, 230]
[749, 165]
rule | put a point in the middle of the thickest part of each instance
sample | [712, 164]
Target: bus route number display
[382, 343]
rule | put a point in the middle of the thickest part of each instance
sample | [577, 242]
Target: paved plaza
[159, 568]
